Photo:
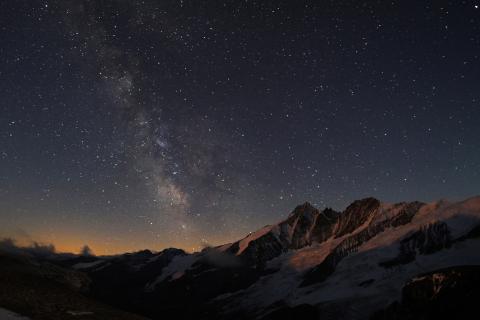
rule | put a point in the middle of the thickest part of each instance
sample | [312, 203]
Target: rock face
[305, 225]
[429, 239]
[368, 219]
[450, 293]
[314, 264]
[356, 215]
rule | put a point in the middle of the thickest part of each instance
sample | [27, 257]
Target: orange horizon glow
[101, 247]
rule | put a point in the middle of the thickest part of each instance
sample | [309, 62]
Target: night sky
[127, 125]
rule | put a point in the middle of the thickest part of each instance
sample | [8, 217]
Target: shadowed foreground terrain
[41, 290]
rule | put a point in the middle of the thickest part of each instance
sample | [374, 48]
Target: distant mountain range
[372, 261]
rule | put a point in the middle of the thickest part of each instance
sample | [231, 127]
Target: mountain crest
[305, 208]
[355, 215]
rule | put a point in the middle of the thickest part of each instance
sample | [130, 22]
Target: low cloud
[36, 249]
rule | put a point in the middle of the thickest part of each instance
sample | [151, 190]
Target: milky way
[148, 124]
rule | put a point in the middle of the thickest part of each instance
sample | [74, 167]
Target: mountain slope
[304, 226]
[351, 267]
[41, 290]
[327, 264]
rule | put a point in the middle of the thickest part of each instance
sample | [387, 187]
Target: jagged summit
[305, 208]
[306, 225]
[355, 215]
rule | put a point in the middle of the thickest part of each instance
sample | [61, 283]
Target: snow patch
[251, 237]
[176, 268]
[87, 265]
[9, 315]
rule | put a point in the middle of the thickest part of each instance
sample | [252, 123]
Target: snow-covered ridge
[359, 258]
[358, 275]
[243, 244]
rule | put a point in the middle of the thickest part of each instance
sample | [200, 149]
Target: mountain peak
[364, 201]
[304, 209]
[307, 204]
[357, 213]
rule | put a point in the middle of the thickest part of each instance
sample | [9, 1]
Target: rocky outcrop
[359, 214]
[451, 293]
[304, 226]
[297, 229]
[429, 239]
[263, 249]
[324, 225]
[355, 215]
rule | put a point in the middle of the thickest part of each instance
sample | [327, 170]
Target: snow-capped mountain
[373, 251]
[372, 260]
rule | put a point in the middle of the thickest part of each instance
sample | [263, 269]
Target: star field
[127, 125]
